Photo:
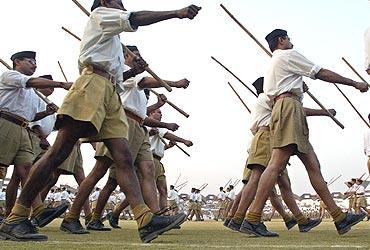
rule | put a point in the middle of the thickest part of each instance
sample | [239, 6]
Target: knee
[147, 170]
[21, 172]
[162, 189]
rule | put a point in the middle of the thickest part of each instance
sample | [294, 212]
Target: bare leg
[51, 183]
[312, 165]
[162, 191]
[117, 211]
[148, 185]
[104, 196]
[80, 177]
[279, 158]
[235, 204]
[11, 192]
[287, 195]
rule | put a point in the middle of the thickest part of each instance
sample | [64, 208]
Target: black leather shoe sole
[348, 227]
[148, 238]
[56, 214]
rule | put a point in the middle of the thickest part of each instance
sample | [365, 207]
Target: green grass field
[205, 235]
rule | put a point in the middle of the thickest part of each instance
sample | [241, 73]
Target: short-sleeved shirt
[367, 49]
[2, 196]
[221, 195]
[94, 196]
[58, 196]
[360, 189]
[285, 73]
[231, 195]
[133, 98]
[101, 44]
[15, 97]
[172, 195]
[47, 123]
[261, 113]
[367, 143]
[156, 145]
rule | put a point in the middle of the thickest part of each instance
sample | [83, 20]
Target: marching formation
[107, 106]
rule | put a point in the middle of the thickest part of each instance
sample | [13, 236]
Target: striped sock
[254, 218]
[301, 219]
[337, 214]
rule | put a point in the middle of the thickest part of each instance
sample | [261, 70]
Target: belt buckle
[24, 125]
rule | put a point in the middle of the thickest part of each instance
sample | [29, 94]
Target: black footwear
[49, 214]
[309, 225]
[345, 225]
[256, 229]
[113, 221]
[177, 227]
[73, 226]
[233, 225]
[291, 223]
[97, 225]
[226, 222]
[159, 225]
[21, 231]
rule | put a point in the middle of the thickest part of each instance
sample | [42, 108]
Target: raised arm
[161, 100]
[143, 18]
[42, 83]
[175, 138]
[318, 112]
[330, 76]
[150, 122]
[150, 82]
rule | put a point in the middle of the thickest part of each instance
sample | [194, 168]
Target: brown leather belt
[14, 119]
[134, 116]
[157, 157]
[286, 94]
[264, 128]
[101, 72]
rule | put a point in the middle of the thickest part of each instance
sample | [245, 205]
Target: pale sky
[323, 31]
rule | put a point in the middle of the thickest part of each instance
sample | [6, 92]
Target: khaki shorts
[260, 150]
[289, 125]
[138, 143]
[92, 98]
[159, 170]
[16, 147]
[361, 201]
[192, 205]
[172, 204]
[73, 163]
[352, 202]
[222, 204]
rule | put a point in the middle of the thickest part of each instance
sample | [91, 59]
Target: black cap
[276, 33]
[47, 77]
[258, 85]
[24, 54]
[96, 4]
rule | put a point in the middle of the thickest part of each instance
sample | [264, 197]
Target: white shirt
[231, 195]
[112, 199]
[172, 195]
[156, 145]
[261, 114]
[50, 196]
[47, 123]
[367, 49]
[285, 73]
[367, 143]
[101, 44]
[193, 197]
[2, 196]
[57, 196]
[360, 189]
[121, 196]
[64, 195]
[94, 196]
[15, 97]
[221, 195]
[199, 198]
[133, 98]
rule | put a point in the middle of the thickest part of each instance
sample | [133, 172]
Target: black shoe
[73, 226]
[226, 222]
[345, 225]
[233, 225]
[159, 225]
[49, 214]
[309, 225]
[177, 227]
[291, 223]
[256, 229]
[21, 231]
[97, 225]
[113, 221]
[215, 219]
[367, 219]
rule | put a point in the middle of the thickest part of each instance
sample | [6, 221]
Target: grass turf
[205, 235]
